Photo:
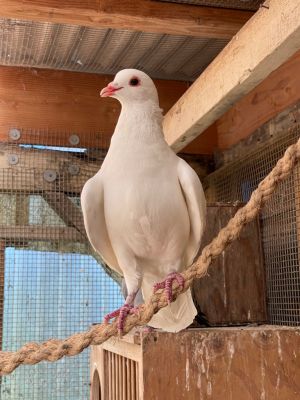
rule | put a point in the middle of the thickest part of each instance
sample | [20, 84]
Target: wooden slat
[263, 44]
[28, 174]
[48, 106]
[140, 15]
[39, 233]
[66, 210]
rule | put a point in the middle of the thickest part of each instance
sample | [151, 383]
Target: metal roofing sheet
[98, 50]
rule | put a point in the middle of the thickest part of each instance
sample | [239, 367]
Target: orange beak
[109, 90]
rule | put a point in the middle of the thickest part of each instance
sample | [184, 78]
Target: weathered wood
[234, 291]
[141, 15]
[247, 363]
[39, 233]
[49, 106]
[28, 174]
[242, 65]
[68, 212]
[278, 91]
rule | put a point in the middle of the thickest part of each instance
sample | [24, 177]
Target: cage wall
[52, 284]
[280, 221]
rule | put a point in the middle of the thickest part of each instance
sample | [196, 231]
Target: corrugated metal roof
[247, 5]
[104, 51]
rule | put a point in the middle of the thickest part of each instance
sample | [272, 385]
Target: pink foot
[122, 313]
[167, 284]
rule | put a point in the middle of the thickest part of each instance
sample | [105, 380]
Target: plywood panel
[234, 291]
[66, 103]
[232, 364]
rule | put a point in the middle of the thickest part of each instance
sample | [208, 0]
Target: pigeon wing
[92, 203]
[196, 205]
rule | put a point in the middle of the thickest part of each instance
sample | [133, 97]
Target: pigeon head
[131, 85]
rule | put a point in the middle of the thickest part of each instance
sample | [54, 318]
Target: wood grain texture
[247, 60]
[140, 15]
[278, 91]
[66, 210]
[224, 363]
[234, 291]
[247, 363]
[36, 232]
[28, 174]
[43, 103]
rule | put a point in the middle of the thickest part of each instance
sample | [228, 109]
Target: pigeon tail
[177, 315]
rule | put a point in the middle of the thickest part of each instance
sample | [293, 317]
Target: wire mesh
[105, 51]
[248, 5]
[51, 283]
[280, 222]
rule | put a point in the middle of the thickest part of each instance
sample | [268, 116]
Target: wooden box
[234, 291]
[199, 364]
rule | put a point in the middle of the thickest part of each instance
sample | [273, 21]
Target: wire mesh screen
[280, 223]
[251, 5]
[51, 283]
[99, 50]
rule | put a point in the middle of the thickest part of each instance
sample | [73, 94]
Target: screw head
[49, 175]
[73, 169]
[74, 140]
[14, 134]
[13, 159]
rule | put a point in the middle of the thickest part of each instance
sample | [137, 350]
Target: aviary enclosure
[232, 107]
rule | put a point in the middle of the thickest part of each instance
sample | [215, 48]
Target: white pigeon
[144, 211]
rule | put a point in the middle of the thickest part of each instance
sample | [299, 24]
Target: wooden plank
[242, 65]
[140, 15]
[234, 291]
[28, 174]
[49, 106]
[279, 90]
[225, 363]
[68, 212]
[39, 233]
[128, 350]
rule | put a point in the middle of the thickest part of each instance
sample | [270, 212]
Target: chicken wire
[105, 51]
[280, 222]
[51, 283]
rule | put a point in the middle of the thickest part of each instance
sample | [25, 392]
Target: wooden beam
[263, 44]
[39, 233]
[280, 90]
[141, 15]
[66, 210]
[27, 175]
[49, 106]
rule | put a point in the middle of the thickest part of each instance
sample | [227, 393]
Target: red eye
[134, 82]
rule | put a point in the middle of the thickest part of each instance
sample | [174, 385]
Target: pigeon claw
[122, 314]
[167, 284]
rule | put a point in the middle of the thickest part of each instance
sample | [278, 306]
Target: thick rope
[55, 349]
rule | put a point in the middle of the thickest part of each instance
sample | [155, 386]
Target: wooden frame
[140, 15]
[263, 44]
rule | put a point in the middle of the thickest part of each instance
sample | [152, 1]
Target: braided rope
[55, 349]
